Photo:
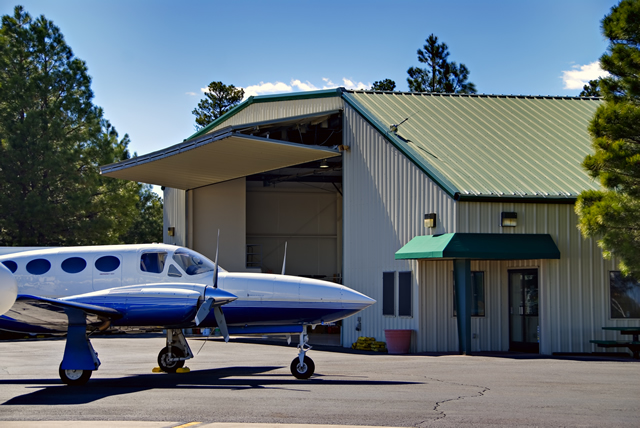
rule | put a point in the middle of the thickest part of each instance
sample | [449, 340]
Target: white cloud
[580, 75]
[297, 85]
[353, 85]
[193, 94]
[265, 88]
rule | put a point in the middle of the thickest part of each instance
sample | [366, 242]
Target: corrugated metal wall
[261, 112]
[174, 215]
[574, 291]
[385, 199]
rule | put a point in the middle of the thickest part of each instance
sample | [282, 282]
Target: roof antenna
[394, 128]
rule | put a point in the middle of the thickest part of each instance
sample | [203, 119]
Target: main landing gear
[302, 367]
[177, 351]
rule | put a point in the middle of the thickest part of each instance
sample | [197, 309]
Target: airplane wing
[51, 315]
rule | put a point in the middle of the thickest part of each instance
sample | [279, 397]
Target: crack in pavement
[442, 414]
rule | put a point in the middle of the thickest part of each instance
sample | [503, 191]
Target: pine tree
[52, 141]
[440, 75]
[613, 214]
[384, 85]
[219, 99]
[592, 89]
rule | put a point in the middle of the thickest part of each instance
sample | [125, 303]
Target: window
[404, 294]
[388, 294]
[193, 263]
[173, 271]
[38, 266]
[11, 265]
[107, 263]
[152, 262]
[477, 290]
[625, 296]
[74, 265]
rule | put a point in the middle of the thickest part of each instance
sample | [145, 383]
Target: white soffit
[215, 159]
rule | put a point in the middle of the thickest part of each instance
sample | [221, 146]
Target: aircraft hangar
[404, 197]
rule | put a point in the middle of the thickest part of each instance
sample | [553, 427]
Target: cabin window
[74, 265]
[11, 265]
[107, 263]
[152, 262]
[173, 271]
[624, 296]
[38, 266]
[192, 263]
[477, 291]
[405, 302]
[388, 294]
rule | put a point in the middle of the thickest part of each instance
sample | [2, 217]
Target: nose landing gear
[302, 367]
[177, 351]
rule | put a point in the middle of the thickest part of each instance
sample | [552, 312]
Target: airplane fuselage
[145, 281]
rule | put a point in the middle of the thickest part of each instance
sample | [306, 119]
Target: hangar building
[414, 199]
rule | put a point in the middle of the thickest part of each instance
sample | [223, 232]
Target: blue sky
[149, 60]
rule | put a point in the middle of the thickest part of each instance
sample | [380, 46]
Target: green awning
[480, 246]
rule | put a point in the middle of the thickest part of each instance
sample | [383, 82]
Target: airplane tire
[170, 366]
[304, 371]
[74, 377]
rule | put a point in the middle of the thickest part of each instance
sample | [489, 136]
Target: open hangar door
[302, 207]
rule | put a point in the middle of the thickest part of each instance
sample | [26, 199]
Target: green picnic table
[633, 344]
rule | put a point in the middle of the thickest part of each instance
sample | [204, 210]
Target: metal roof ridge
[447, 94]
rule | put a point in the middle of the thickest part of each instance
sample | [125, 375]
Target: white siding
[574, 291]
[261, 112]
[385, 199]
[174, 215]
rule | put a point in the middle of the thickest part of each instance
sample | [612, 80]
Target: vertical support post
[462, 276]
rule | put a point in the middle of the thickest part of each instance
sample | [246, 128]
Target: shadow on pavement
[233, 378]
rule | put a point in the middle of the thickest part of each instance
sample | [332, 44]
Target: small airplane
[81, 290]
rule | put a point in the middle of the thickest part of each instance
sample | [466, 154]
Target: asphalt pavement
[238, 383]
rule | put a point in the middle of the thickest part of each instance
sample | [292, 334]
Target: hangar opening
[298, 205]
[262, 184]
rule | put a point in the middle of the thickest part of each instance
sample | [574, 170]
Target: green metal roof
[482, 147]
[480, 246]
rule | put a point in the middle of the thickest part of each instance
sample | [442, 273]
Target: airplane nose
[356, 299]
[8, 289]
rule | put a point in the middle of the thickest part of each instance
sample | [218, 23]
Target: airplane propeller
[214, 299]
[284, 261]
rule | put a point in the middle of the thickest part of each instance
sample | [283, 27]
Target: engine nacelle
[8, 289]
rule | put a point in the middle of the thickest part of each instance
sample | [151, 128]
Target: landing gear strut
[302, 367]
[177, 351]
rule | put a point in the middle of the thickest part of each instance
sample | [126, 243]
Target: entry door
[524, 330]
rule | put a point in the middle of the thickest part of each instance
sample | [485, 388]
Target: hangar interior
[298, 205]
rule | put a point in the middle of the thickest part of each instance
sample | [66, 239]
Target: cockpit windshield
[193, 263]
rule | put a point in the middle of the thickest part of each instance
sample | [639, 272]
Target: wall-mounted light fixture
[171, 231]
[508, 219]
[324, 164]
[430, 220]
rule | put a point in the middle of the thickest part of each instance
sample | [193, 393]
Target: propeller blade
[204, 310]
[215, 271]
[284, 261]
[222, 323]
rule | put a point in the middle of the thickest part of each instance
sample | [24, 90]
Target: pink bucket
[398, 341]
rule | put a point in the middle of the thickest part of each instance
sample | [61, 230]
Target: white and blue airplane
[80, 290]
